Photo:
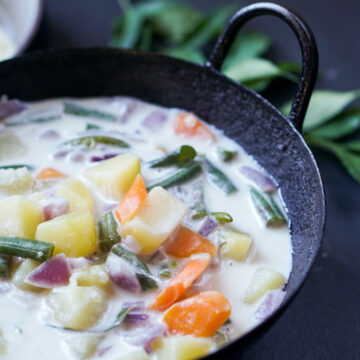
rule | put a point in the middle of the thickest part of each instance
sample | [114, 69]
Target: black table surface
[323, 322]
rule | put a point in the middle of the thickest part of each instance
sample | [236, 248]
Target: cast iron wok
[272, 139]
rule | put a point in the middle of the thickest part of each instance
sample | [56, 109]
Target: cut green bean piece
[218, 178]
[78, 110]
[37, 117]
[5, 261]
[91, 141]
[26, 248]
[222, 217]
[268, 210]
[177, 157]
[177, 176]
[142, 271]
[165, 274]
[198, 210]
[226, 155]
[92, 127]
[108, 234]
[16, 166]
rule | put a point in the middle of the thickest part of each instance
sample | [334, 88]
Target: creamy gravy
[25, 316]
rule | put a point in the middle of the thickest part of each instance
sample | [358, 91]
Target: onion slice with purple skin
[52, 273]
[272, 301]
[145, 336]
[154, 120]
[122, 273]
[208, 226]
[54, 207]
[263, 182]
[11, 107]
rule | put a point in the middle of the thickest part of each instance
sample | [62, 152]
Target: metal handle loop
[307, 44]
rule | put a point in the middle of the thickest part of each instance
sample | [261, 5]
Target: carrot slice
[181, 282]
[132, 201]
[189, 125]
[199, 315]
[49, 173]
[185, 242]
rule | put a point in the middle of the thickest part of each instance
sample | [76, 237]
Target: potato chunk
[183, 347]
[84, 346]
[157, 218]
[77, 307]
[114, 176]
[14, 181]
[235, 245]
[136, 354]
[72, 234]
[265, 279]
[93, 275]
[77, 194]
[25, 268]
[19, 217]
[3, 345]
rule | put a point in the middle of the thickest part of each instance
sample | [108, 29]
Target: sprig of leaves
[177, 29]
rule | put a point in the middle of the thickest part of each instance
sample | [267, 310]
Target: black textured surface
[323, 322]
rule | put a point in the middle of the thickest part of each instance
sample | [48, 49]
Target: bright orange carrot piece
[185, 242]
[189, 125]
[181, 282]
[49, 173]
[199, 315]
[132, 201]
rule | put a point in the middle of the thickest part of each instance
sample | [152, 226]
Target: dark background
[323, 321]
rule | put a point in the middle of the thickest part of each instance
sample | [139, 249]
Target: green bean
[177, 157]
[142, 271]
[108, 234]
[92, 127]
[26, 248]
[16, 166]
[226, 155]
[4, 265]
[222, 217]
[218, 178]
[268, 210]
[177, 176]
[91, 141]
[198, 210]
[77, 110]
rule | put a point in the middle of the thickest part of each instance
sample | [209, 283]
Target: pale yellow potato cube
[235, 245]
[156, 219]
[25, 268]
[78, 307]
[183, 347]
[78, 195]
[114, 176]
[83, 347]
[136, 354]
[14, 181]
[93, 275]
[72, 234]
[19, 217]
[264, 280]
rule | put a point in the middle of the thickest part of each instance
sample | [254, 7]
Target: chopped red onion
[49, 135]
[155, 120]
[52, 273]
[136, 305]
[136, 318]
[11, 107]
[272, 301]
[208, 226]
[101, 158]
[54, 207]
[61, 154]
[145, 336]
[122, 273]
[131, 243]
[78, 263]
[263, 182]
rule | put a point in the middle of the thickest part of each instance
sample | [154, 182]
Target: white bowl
[19, 20]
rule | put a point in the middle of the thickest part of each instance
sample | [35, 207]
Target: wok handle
[307, 44]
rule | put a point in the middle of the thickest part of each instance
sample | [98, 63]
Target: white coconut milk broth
[24, 317]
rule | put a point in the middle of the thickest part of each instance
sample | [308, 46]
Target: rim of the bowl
[33, 31]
